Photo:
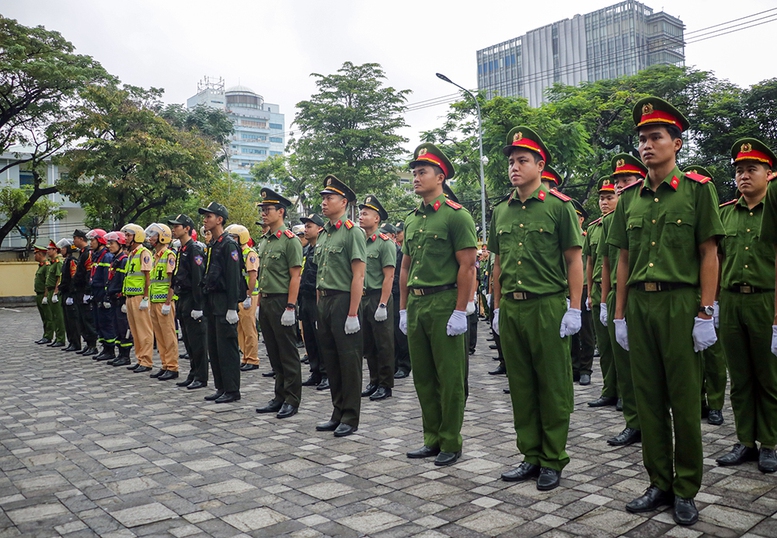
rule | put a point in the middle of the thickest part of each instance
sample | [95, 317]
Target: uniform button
[519, 282]
[655, 199]
[419, 246]
[417, 263]
[520, 225]
[653, 243]
[520, 244]
[748, 230]
[679, 221]
[653, 221]
[747, 248]
[424, 216]
[540, 229]
[650, 264]
[523, 207]
[519, 262]
[415, 277]
[751, 213]
[435, 236]
[745, 266]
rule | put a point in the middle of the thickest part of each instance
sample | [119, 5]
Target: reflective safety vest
[135, 281]
[246, 251]
[159, 281]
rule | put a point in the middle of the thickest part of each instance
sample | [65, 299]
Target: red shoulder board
[384, 237]
[348, 224]
[730, 202]
[597, 221]
[453, 204]
[289, 234]
[560, 195]
[627, 187]
[698, 177]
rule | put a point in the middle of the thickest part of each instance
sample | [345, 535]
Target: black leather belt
[525, 295]
[329, 293]
[270, 295]
[661, 286]
[419, 292]
[365, 293]
[741, 288]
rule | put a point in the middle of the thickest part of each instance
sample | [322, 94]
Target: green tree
[41, 90]
[40, 212]
[211, 122]
[234, 193]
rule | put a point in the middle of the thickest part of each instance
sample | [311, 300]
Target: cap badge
[606, 183]
[694, 172]
[517, 136]
[620, 163]
[422, 151]
[329, 181]
[747, 148]
[264, 194]
[369, 199]
[647, 108]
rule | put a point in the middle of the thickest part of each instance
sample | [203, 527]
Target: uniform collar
[540, 194]
[336, 224]
[277, 234]
[434, 206]
[741, 202]
[372, 237]
[672, 180]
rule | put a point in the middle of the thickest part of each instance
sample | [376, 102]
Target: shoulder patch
[384, 237]
[453, 204]
[235, 255]
[730, 202]
[349, 223]
[560, 195]
[698, 177]
[289, 234]
[198, 259]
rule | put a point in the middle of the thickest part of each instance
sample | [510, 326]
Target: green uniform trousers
[745, 332]
[57, 318]
[281, 344]
[439, 366]
[667, 377]
[45, 316]
[622, 368]
[606, 358]
[379, 341]
[713, 376]
[342, 356]
[540, 376]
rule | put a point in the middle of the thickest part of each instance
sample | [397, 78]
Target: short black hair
[673, 131]
[537, 156]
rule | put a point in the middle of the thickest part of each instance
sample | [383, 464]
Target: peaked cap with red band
[428, 153]
[752, 149]
[698, 170]
[606, 185]
[624, 163]
[525, 138]
[550, 174]
[656, 111]
[332, 185]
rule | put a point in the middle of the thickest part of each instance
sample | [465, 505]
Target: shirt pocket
[678, 230]
[436, 243]
[728, 243]
[634, 233]
[541, 237]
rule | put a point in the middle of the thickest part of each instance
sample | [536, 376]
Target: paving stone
[143, 515]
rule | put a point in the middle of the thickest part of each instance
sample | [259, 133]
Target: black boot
[107, 354]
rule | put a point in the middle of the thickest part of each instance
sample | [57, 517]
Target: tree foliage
[234, 193]
[29, 225]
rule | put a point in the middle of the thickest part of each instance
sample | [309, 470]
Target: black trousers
[223, 349]
[308, 315]
[401, 351]
[195, 337]
[378, 341]
[71, 320]
[103, 322]
[120, 325]
[85, 320]
[583, 345]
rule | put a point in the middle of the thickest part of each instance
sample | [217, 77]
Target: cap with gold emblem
[606, 185]
[698, 170]
[656, 111]
[332, 185]
[752, 149]
[428, 153]
[624, 163]
[525, 138]
[550, 174]
[53, 245]
[371, 201]
[215, 208]
[315, 219]
[270, 197]
[449, 194]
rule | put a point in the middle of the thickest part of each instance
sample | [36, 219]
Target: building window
[26, 178]
[277, 126]
[276, 139]
[253, 123]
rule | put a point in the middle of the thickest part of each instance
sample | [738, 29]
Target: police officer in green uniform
[626, 169]
[39, 287]
[537, 242]
[438, 269]
[224, 287]
[747, 281]
[53, 279]
[340, 256]
[278, 283]
[377, 303]
[666, 228]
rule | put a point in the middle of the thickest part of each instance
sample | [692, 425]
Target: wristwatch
[382, 305]
[709, 310]
[291, 306]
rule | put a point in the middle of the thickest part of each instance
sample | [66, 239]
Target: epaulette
[289, 234]
[698, 177]
[383, 236]
[560, 195]
[627, 187]
[348, 224]
[595, 222]
[453, 204]
[724, 204]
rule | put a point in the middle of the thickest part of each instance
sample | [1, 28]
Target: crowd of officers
[676, 288]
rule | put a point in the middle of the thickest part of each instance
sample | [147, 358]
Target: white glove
[55, 299]
[45, 300]
[106, 305]
[196, 314]
[774, 339]
[457, 323]
[470, 308]
[603, 314]
[571, 322]
[124, 308]
[87, 298]
[257, 314]
[588, 303]
[403, 321]
[488, 299]
[247, 303]
[143, 304]
[288, 318]
[69, 301]
[716, 314]
[352, 325]
[703, 333]
[381, 313]
[232, 317]
[621, 333]
[165, 309]
[495, 322]
[569, 303]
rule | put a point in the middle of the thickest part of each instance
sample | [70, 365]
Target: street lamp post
[480, 144]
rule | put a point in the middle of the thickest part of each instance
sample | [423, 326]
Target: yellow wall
[16, 279]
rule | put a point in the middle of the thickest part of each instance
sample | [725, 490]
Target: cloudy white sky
[272, 46]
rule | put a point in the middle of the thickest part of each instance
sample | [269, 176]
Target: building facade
[260, 129]
[615, 41]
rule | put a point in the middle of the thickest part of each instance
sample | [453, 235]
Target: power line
[729, 22]
[731, 30]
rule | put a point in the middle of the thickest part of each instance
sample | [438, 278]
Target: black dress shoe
[401, 374]
[158, 373]
[328, 426]
[227, 397]
[685, 512]
[585, 379]
[499, 370]
[287, 410]
[104, 356]
[548, 479]
[650, 500]
[194, 385]
[739, 454]
[43, 340]
[312, 381]
[90, 351]
[492, 346]
[183, 355]
[628, 436]
[271, 407]
[423, 452]
[215, 396]
[524, 471]
[133, 366]
[141, 369]
[619, 405]
[248, 367]
[369, 390]
[506, 391]
[71, 347]
[185, 383]
[168, 375]
[381, 394]
[715, 417]
[324, 385]
[344, 429]
[57, 344]
[603, 401]
[120, 361]
[82, 351]
[767, 460]
[271, 373]
[447, 458]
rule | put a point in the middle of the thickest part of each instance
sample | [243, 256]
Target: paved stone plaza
[87, 449]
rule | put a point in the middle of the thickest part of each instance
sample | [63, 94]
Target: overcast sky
[272, 46]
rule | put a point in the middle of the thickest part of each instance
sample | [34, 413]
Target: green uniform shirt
[338, 245]
[280, 251]
[662, 229]
[769, 223]
[591, 248]
[531, 237]
[746, 260]
[39, 285]
[55, 270]
[381, 252]
[606, 249]
[434, 233]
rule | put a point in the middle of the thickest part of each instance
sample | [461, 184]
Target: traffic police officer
[438, 268]
[53, 279]
[308, 311]
[666, 228]
[247, 336]
[39, 288]
[161, 294]
[340, 256]
[278, 284]
[537, 242]
[137, 282]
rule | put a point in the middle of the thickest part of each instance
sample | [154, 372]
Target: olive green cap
[752, 149]
[549, 174]
[605, 184]
[656, 111]
[625, 163]
[428, 153]
[525, 138]
[332, 185]
[371, 201]
[270, 197]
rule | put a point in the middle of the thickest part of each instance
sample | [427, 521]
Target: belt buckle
[418, 292]
[519, 296]
[745, 289]
[651, 286]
